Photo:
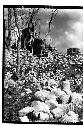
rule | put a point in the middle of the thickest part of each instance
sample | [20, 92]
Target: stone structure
[73, 51]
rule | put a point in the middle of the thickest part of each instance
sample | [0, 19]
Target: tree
[18, 42]
[8, 40]
[30, 23]
[51, 19]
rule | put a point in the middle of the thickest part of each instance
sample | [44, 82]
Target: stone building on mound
[73, 51]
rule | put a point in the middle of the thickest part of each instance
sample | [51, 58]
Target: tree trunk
[18, 43]
[9, 28]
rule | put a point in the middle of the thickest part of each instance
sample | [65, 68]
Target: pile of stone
[53, 104]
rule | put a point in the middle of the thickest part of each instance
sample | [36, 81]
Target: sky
[66, 28]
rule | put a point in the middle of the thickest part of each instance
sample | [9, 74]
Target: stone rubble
[48, 107]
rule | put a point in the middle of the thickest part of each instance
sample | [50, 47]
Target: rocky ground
[53, 104]
[48, 90]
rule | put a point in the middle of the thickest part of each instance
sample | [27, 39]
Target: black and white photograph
[42, 72]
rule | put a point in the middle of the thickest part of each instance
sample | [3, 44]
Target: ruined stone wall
[73, 51]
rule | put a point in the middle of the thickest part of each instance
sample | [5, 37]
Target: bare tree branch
[32, 15]
[51, 19]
